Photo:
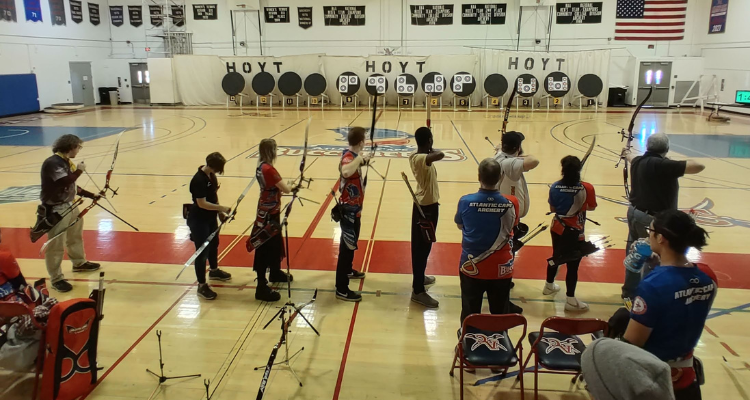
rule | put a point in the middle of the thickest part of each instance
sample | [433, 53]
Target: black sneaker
[356, 274]
[219, 275]
[88, 266]
[62, 286]
[265, 293]
[350, 295]
[280, 277]
[205, 291]
[514, 309]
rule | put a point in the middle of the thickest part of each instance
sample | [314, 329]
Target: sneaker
[205, 291]
[219, 275]
[350, 295]
[280, 277]
[265, 293]
[628, 302]
[424, 299]
[514, 309]
[88, 266]
[62, 286]
[356, 274]
[429, 280]
[574, 304]
[550, 288]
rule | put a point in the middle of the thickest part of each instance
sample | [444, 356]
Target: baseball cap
[513, 138]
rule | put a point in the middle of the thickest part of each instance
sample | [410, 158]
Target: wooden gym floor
[385, 347]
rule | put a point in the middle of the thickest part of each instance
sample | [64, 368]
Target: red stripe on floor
[729, 349]
[710, 331]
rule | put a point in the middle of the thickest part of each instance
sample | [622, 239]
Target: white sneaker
[550, 288]
[574, 304]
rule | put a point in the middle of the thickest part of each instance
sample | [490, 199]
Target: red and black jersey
[270, 195]
[351, 188]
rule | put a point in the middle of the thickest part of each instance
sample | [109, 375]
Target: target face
[463, 84]
[527, 85]
[376, 84]
[348, 84]
[557, 84]
[436, 82]
[406, 84]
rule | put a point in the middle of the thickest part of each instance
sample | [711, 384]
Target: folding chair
[559, 352]
[484, 343]
[9, 310]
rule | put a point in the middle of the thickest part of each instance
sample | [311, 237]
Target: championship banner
[431, 15]
[718, 21]
[344, 15]
[178, 15]
[304, 16]
[117, 15]
[483, 14]
[33, 10]
[8, 10]
[579, 13]
[76, 11]
[135, 13]
[57, 12]
[276, 15]
[94, 16]
[156, 12]
[202, 12]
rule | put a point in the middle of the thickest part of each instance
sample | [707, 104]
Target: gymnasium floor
[384, 347]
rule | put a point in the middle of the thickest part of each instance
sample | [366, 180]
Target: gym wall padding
[18, 94]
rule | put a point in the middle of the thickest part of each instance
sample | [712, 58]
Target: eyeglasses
[651, 230]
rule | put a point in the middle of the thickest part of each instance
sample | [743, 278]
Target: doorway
[658, 75]
[81, 83]
[140, 83]
[246, 33]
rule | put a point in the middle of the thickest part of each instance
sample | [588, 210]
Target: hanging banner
[483, 14]
[204, 12]
[276, 15]
[178, 15]
[718, 21]
[76, 11]
[136, 15]
[33, 10]
[344, 15]
[8, 10]
[57, 12]
[116, 15]
[579, 13]
[304, 16]
[431, 15]
[94, 17]
[156, 13]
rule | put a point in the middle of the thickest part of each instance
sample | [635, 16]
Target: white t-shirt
[512, 181]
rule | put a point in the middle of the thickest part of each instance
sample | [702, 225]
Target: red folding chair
[559, 352]
[10, 309]
[484, 343]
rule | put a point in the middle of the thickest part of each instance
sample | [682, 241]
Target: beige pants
[71, 240]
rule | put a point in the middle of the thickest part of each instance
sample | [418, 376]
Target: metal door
[82, 83]
[140, 83]
[658, 75]
[246, 33]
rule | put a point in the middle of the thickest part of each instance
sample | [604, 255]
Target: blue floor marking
[46, 135]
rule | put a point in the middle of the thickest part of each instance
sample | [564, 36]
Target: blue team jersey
[674, 302]
[488, 219]
[570, 204]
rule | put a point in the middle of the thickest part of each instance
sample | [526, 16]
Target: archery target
[376, 84]
[527, 85]
[436, 83]
[315, 84]
[495, 85]
[263, 84]
[233, 83]
[348, 84]
[463, 84]
[557, 84]
[590, 85]
[406, 84]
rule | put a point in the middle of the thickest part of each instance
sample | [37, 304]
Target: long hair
[66, 143]
[571, 170]
[267, 151]
[680, 230]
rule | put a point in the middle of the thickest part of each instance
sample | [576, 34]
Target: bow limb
[508, 106]
[373, 146]
[588, 152]
[629, 143]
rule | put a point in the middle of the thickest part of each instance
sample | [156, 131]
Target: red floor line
[130, 349]
[710, 331]
[729, 349]
[318, 217]
[342, 367]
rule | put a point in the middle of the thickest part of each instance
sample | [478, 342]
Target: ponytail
[680, 230]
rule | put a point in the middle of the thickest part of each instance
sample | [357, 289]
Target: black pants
[472, 293]
[421, 247]
[200, 230]
[560, 245]
[350, 226]
[692, 392]
[269, 255]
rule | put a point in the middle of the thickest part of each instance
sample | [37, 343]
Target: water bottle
[639, 252]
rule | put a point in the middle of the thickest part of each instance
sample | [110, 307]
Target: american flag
[650, 20]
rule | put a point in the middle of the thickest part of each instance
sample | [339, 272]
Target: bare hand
[366, 158]
[81, 166]
[225, 210]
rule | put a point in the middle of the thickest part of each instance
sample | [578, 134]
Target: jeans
[638, 221]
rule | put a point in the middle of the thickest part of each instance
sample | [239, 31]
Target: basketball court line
[464, 140]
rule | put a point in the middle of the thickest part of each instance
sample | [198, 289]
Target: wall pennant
[156, 12]
[304, 15]
[178, 15]
[57, 12]
[76, 11]
[94, 17]
[117, 15]
[8, 10]
[33, 10]
[135, 13]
